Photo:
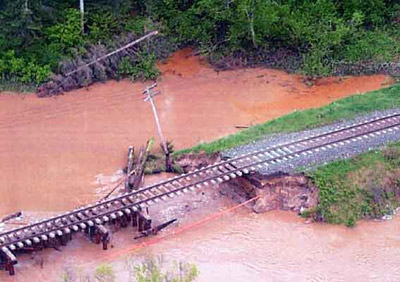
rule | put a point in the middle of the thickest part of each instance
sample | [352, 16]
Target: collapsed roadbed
[257, 166]
[279, 191]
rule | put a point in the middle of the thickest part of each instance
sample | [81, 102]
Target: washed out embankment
[53, 149]
[358, 181]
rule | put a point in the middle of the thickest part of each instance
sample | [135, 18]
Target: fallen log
[138, 172]
[155, 230]
[11, 216]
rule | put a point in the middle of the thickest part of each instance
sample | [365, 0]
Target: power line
[113, 52]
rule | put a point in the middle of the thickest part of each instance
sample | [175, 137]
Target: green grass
[346, 108]
[16, 87]
[366, 186]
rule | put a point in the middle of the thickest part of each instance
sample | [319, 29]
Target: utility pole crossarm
[149, 97]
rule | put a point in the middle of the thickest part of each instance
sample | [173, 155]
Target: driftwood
[154, 230]
[138, 172]
[129, 166]
[134, 176]
[11, 216]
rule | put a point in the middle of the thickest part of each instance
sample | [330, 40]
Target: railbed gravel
[311, 161]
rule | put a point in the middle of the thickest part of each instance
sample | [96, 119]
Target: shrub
[102, 27]
[136, 25]
[67, 35]
[104, 273]
[144, 69]
[153, 270]
[22, 70]
[377, 46]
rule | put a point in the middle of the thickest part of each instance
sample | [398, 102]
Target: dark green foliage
[102, 27]
[137, 62]
[320, 34]
[18, 69]
[144, 69]
[378, 46]
[67, 35]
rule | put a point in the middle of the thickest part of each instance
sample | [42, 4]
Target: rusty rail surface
[122, 205]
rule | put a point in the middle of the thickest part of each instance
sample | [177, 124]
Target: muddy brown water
[58, 153]
[238, 246]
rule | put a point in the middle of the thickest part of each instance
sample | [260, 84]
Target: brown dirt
[52, 149]
[276, 192]
[191, 161]
[238, 246]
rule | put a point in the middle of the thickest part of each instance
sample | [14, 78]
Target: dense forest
[42, 39]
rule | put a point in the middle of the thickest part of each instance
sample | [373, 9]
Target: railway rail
[97, 214]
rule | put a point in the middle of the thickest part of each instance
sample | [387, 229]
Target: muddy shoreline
[280, 191]
[66, 151]
[222, 243]
[64, 145]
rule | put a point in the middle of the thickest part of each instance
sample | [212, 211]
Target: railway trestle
[97, 233]
[130, 208]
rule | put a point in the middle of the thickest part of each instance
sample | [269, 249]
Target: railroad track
[102, 212]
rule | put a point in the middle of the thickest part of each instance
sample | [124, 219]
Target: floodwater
[55, 151]
[237, 246]
[58, 153]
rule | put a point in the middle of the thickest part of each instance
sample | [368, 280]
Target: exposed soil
[192, 161]
[282, 191]
[276, 192]
[56, 147]
[58, 153]
[238, 246]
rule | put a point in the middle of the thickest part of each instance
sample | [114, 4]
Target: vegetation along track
[101, 212]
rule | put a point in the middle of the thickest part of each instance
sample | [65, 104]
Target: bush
[67, 35]
[377, 46]
[144, 69]
[316, 34]
[153, 270]
[102, 27]
[104, 273]
[138, 62]
[21, 70]
[137, 25]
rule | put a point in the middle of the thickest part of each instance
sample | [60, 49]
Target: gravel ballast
[314, 159]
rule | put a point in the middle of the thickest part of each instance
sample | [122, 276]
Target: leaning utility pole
[149, 97]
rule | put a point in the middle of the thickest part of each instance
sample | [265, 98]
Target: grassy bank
[366, 186]
[346, 108]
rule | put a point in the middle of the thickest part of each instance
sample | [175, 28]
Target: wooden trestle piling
[129, 168]
[97, 232]
[8, 260]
